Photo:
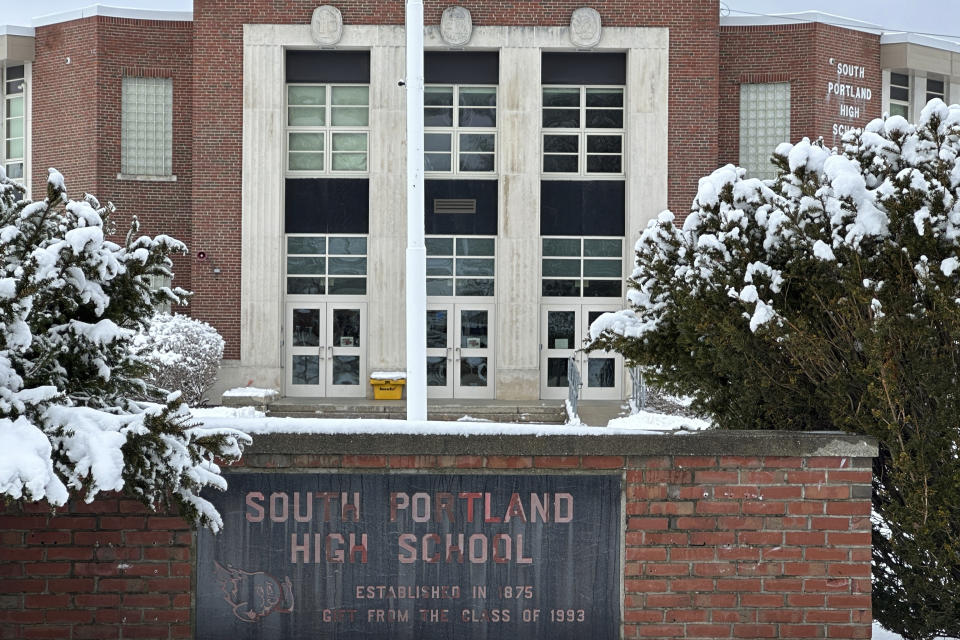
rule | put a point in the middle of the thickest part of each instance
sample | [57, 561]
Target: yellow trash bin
[387, 388]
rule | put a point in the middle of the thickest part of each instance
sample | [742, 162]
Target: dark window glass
[604, 119]
[560, 164]
[306, 327]
[439, 287]
[305, 286]
[348, 286]
[935, 86]
[478, 117]
[601, 288]
[436, 328]
[561, 118]
[604, 164]
[437, 117]
[561, 144]
[900, 79]
[476, 162]
[557, 372]
[899, 93]
[600, 372]
[436, 371]
[474, 287]
[604, 144]
[563, 288]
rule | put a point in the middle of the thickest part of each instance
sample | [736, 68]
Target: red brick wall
[77, 117]
[798, 54]
[218, 85]
[109, 569]
[715, 547]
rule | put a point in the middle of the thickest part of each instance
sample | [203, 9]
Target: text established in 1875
[412, 556]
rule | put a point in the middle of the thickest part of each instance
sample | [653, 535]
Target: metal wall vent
[454, 205]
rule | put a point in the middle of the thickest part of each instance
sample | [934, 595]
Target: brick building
[268, 137]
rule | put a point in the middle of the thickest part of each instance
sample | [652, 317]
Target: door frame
[581, 310]
[325, 351]
[455, 351]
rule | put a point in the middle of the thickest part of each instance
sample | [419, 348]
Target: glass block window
[581, 267]
[326, 265]
[582, 130]
[146, 138]
[935, 89]
[460, 265]
[460, 129]
[327, 128]
[900, 95]
[764, 123]
[14, 123]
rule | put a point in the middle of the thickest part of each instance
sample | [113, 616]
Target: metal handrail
[573, 390]
[638, 394]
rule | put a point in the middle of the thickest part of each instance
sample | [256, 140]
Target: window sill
[146, 178]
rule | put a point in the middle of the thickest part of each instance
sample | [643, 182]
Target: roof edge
[16, 30]
[113, 12]
[920, 39]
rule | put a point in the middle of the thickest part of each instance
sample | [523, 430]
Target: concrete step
[534, 413]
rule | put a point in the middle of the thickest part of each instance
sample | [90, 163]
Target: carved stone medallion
[585, 28]
[456, 26]
[326, 25]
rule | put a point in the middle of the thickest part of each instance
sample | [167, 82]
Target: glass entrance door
[460, 350]
[563, 329]
[325, 354]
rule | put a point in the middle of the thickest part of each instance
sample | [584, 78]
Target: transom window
[327, 128]
[582, 267]
[460, 266]
[583, 130]
[900, 95]
[326, 265]
[460, 129]
[14, 123]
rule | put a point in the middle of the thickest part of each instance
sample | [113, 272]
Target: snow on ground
[879, 633]
[245, 392]
[226, 412]
[642, 423]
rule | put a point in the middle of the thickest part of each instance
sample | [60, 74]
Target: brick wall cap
[710, 443]
[113, 12]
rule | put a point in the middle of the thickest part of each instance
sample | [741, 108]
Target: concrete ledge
[710, 443]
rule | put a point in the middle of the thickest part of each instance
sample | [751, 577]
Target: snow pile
[250, 392]
[389, 375]
[71, 302]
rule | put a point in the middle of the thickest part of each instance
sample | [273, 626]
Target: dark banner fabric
[328, 66]
[412, 556]
[582, 208]
[327, 205]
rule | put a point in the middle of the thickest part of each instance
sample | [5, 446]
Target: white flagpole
[416, 276]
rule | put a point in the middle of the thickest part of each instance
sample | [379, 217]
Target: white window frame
[583, 133]
[326, 267]
[905, 104]
[930, 94]
[5, 101]
[457, 130]
[758, 143]
[328, 130]
[621, 278]
[454, 277]
[132, 133]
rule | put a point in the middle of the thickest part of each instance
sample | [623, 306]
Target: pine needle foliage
[829, 299]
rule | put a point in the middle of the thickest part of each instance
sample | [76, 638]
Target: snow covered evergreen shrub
[71, 302]
[829, 298]
[183, 354]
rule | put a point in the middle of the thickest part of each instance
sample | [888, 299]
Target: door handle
[457, 351]
[330, 353]
[322, 353]
[449, 355]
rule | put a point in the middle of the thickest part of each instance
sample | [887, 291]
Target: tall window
[326, 265]
[460, 129]
[900, 95]
[935, 89]
[764, 123]
[583, 130]
[146, 138]
[460, 266]
[14, 123]
[582, 267]
[327, 128]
